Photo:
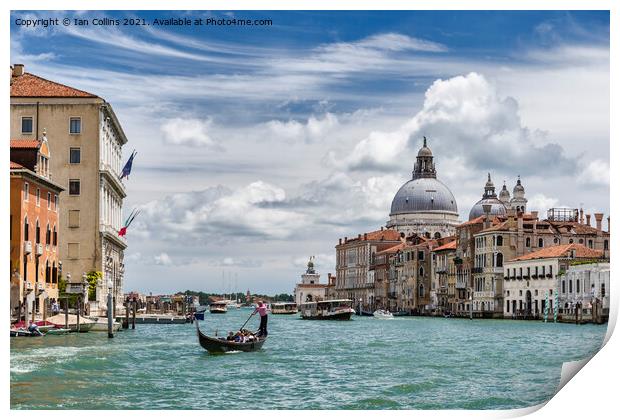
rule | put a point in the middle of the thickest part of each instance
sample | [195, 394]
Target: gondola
[220, 345]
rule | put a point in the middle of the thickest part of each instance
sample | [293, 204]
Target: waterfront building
[424, 205]
[379, 274]
[34, 229]
[87, 138]
[417, 270]
[311, 289]
[443, 278]
[583, 291]
[354, 279]
[532, 277]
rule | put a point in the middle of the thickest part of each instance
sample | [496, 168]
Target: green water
[366, 363]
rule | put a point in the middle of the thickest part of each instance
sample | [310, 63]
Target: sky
[260, 146]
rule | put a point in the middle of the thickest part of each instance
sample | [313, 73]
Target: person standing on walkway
[262, 311]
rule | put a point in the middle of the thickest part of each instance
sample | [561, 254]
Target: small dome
[423, 195]
[518, 189]
[425, 151]
[497, 208]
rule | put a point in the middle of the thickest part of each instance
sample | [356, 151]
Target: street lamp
[110, 334]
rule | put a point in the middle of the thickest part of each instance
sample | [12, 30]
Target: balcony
[27, 247]
[109, 232]
[38, 250]
[28, 285]
[476, 270]
[486, 294]
[110, 175]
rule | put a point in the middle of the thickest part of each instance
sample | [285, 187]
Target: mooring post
[110, 320]
[19, 312]
[79, 304]
[134, 307]
[66, 312]
[126, 321]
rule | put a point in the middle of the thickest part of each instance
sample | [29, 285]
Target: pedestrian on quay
[262, 311]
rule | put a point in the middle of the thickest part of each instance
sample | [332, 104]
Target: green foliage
[203, 297]
[62, 284]
[93, 277]
[284, 297]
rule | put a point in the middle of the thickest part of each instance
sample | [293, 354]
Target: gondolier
[262, 311]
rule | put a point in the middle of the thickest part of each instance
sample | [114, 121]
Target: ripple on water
[362, 364]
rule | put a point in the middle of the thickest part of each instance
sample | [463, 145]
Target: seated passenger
[230, 337]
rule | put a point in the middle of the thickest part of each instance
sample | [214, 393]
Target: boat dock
[155, 319]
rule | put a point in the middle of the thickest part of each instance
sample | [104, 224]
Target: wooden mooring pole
[126, 321]
[79, 309]
[134, 307]
[66, 313]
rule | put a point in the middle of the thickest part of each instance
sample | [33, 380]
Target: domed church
[498, 208]
[424, 205]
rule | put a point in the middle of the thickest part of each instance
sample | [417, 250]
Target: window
[578, 286]
[74, 155]
[421, 271]
[421, 290]
[606, 245]
[602, 289]
[49, 200]
[38, 196]
[73, 250]
[499, 262]
[527, 242]
[74, 187]
[26, 191]
[55, 237]
[26, 125]
[500, 241]
[421, 255]
[48, 235]
[26, 229]
[541, 243]
[74, 218]
[37, 233]
[75, 125]
[563, 286]
[590, 243]
[55, 202]
[570, 286]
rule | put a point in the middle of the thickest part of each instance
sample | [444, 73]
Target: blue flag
[127, 168]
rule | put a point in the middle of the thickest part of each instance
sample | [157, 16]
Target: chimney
[345, 239]
[588, 219]
[365, 236]
[487, 209]
[581, 216]
[599, 221]
[359, 236]
[382, 228]
[535, 214]
[18, 70]
[608, 225]
[339, 241]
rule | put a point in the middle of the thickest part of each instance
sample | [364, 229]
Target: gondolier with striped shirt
[262, 311]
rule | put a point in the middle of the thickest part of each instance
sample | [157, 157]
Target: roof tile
[30, 85]
[559, 251]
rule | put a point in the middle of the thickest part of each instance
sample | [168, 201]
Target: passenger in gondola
[230, 337]
[262, 311]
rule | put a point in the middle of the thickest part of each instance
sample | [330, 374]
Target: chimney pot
[339, 241]
[599, 221]
[365, 236]
[18, 70]
[345, 239]
[588, 219]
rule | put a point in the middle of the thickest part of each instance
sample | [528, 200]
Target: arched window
[499, 260]
[606, 245]
[37, 233]
[500, 241]
[578, 286]
[527, 242]
[421, 271]
[556, 240]
[26, 228]
[427, 235]
[48, 272]
[570, 241]
[437, 235]
[54, 273]
[421, 290]
[48, 235]
[563, 286]
[55, 237]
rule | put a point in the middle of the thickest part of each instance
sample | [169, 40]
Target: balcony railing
[476, 270]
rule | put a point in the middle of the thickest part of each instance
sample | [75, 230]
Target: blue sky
[260, 146]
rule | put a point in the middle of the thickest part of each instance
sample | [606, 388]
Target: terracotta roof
[449, 245]
[29, 85]
[15, 165]
[559, 251]
[479, 219]
[393, 249]
[25, 144]
[378, 235]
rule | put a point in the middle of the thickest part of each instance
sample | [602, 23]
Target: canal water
[366, 363]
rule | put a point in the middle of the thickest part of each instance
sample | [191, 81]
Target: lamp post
[110, 334]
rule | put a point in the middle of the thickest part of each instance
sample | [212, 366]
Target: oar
[246, 321]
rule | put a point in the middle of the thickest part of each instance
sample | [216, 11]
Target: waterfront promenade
[405, 363]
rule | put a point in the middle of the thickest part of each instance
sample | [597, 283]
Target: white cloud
[188, 132]
[162, 259]
[315, 128]
[594, 173]
[541, 203]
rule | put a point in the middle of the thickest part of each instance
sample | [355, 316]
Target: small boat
[58, 331]
[20, 332]
[283, 308]
[400, 313]
[219, 307]
[101, 324]
[337, 309]
[382, 314]
[221, 345]
[86, 324]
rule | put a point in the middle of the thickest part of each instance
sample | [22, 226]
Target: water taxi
[219, 307]
[283, 308]
[383, 314]
[336, 309]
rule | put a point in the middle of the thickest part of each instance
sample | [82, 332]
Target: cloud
[463, 116]
[314, 129]
[541, 203]
[188, 132]
[595, 173]
[162, 259]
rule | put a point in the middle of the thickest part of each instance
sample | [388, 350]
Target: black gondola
[220, 345]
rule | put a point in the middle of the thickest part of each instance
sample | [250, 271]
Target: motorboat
[284, 308]
[336, 309]
[382, 314]
[219, 307]
[101, 324]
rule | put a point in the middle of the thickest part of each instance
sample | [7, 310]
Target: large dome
[423, 195]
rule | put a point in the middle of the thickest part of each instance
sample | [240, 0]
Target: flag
[127, 168]
[130, 219]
